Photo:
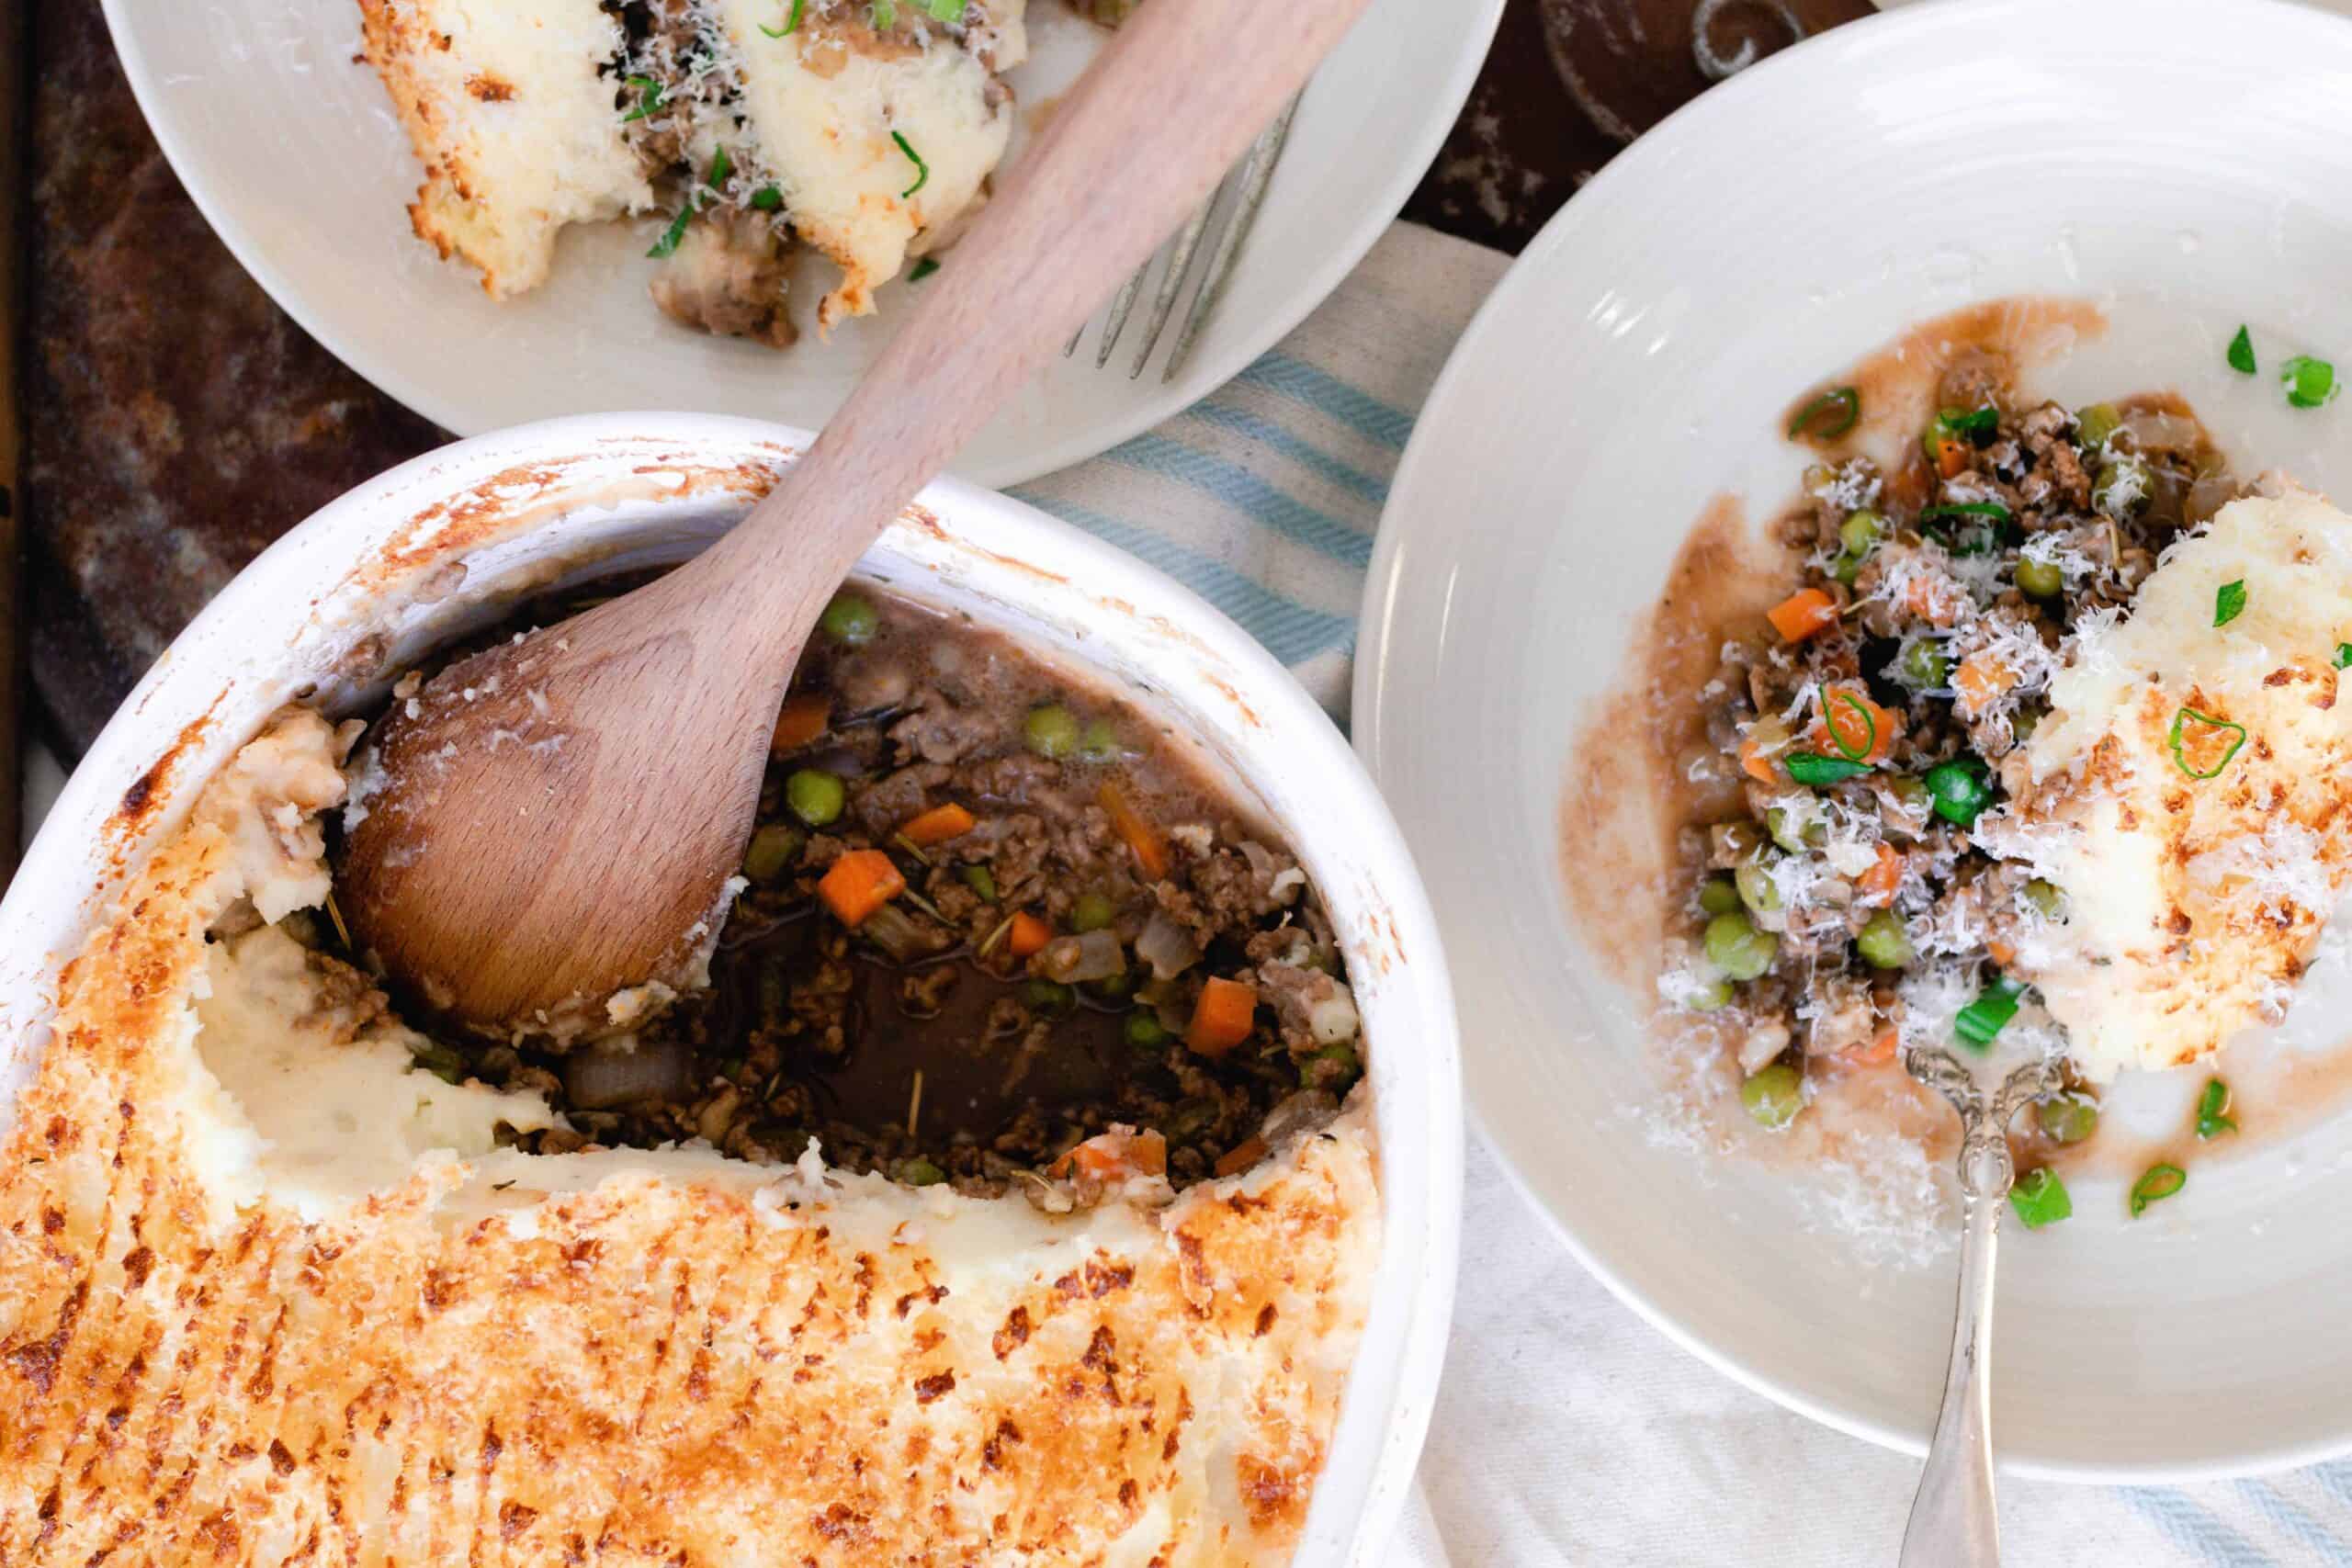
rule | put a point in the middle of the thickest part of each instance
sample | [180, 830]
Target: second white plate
[289, 148]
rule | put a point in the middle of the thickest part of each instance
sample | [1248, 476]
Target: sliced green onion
[923, 170]
[1979, 426]
[980, 880]
[668, 243]
[2175, 742]
[1992, 509]
[2213, 1111]
[2241, 353]
[767, 198]
[922, 270]
[1843, 406]
[886, 15]
[649, 98]
[2160, 1182]
[721, 168]
[1959, 789]
[2040, 1199]
[1981, 1020]
[944, 10]
[1813, 768]
[791, 23]
[2309, 382]
[2229, 601]
[2344, 656]
[1870, 731]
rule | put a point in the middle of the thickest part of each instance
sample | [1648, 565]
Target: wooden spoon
[554, 819]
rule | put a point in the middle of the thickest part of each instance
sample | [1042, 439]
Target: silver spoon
[1953, 1524]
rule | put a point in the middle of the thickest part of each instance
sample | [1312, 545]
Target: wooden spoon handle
[1140, 141]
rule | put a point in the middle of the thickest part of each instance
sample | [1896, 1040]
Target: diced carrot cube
[1804, 614]
[1241, 1156]
[859, 883]
[802, 720]
[1979, 681]
[1879, 883]
[1150, 849]
[1029, 934]
[937, 825]
[1224, 1016]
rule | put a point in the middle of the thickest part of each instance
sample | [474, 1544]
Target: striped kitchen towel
[1568, 1430]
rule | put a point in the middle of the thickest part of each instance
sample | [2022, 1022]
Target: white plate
[2187, 161]
[289, 148]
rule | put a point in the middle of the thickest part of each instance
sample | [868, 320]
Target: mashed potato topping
[270, 1293]
[2190, 791]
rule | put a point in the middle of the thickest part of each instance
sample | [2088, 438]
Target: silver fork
[1245, 185]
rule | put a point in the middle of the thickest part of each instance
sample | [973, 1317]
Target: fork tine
[1071, 346]
[1121, 303]
[1180, 262]
[1257, 174]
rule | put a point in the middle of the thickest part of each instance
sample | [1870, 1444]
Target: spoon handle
[1953, 1524]
[1131, 151]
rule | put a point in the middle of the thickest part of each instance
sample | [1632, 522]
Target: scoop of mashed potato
[2189, 790]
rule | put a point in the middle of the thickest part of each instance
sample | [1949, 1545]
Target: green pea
[2046, 899]
[921, 1173]
[2024, 724]
[1719, 895]
[2094, 424]
[1100, 743]
[1846, 568]
[1048, 996]
[850, 620]
[2039, 579]
[815, 798]
[1092, 912]
[769, 856]
[2067, 1117]
[1882, 943]
[1773, 1095]
[1737, 841]
[1142, 1029]
[1051, 732]
[980, 880]
[1344, 1065]
[1707, 993]
[2122, 486]
[1861, 529]
[1738, 949]
[1924, 665]
[1784, 825]
[1113, 988]
[1757, 889]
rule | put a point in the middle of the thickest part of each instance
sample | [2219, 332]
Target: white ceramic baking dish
[443, 544]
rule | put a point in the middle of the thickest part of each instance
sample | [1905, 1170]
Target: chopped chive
[2229, 603]
[886, 15]
[2213, 1111]
[1813, 769]
[649, 98]
[1843, 405]
[721, 168]
[1992, 509]
[2160, 1182]
[944, 10]
[923, 170]
[922, 270]
[2343, 655]
[668, 243]
[2040, 1199]
[1978, 426]
[2218, 726]
[2241, 353]
[2309, 382]
[1981, 1020]
[767, 198]
[791, 23]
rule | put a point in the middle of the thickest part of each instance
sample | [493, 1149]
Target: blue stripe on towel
[1236, 487]
[1273, 436]
[2191, 1525]
[1290, 631]
[2292, 1518]
[2335, 1478]
[1327, 394]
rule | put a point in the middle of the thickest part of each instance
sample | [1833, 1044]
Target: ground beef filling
[1884, 707]
[1081, 942]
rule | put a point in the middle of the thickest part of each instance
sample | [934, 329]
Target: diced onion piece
[1333, 1019]
[1096, 955]
[1166, 946]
